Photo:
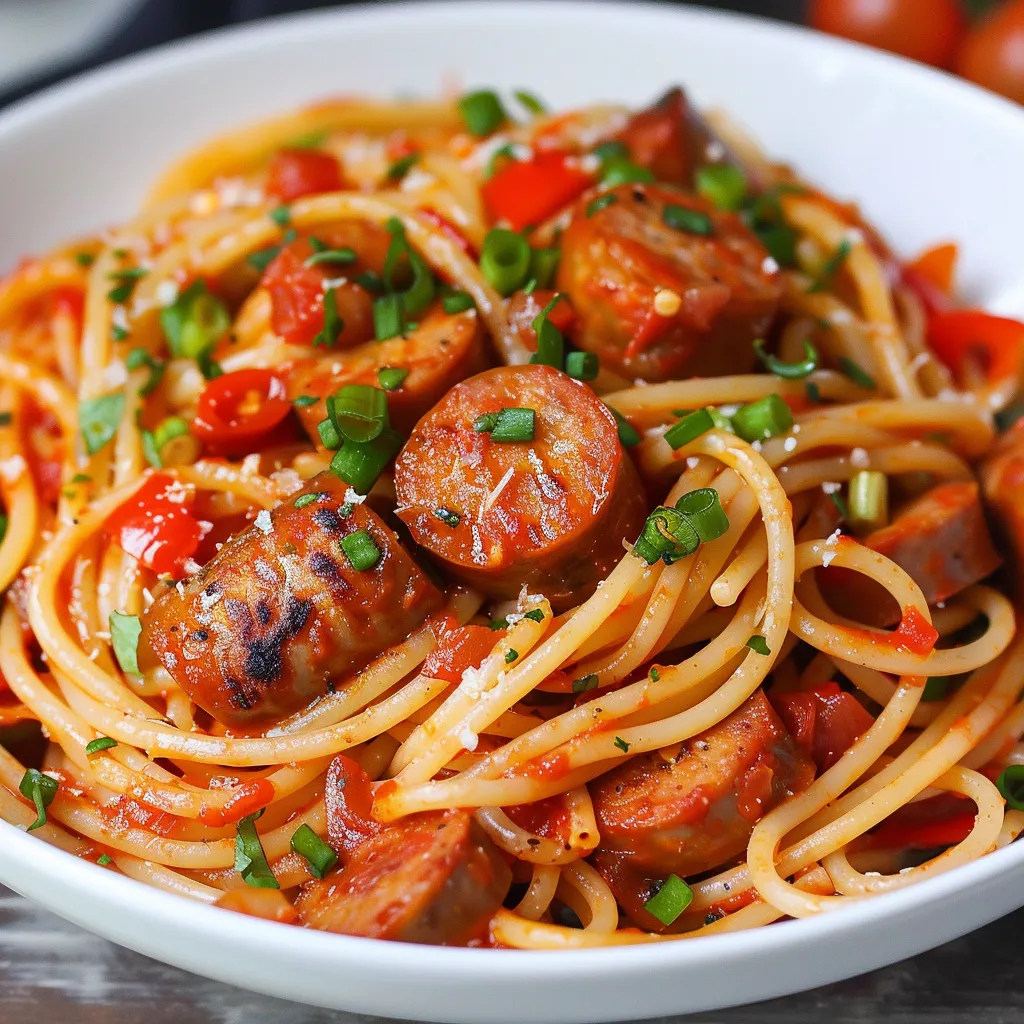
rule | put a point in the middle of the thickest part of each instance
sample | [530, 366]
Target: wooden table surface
[54, 973]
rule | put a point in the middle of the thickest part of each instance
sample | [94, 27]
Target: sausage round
[443, 350]
[696, 811]
[550, 514]
[279, 612]
[432, 878]
[616, 260]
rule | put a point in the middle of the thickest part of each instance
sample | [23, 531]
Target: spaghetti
[543, 533]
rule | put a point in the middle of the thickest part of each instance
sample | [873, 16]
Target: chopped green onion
[936, 688]
[195, 321]
[262, 258]
[670, 900]
[168, 429]
[98, 419]
[388, 318]
[762, 419]
[119, 333]
[831, 267]
[840, 504]
[598, 204]
[85, 259]
[622, 744]
[655, 675]
[125, 631]
[329, 436]
[361, 550]
[391, 377]
[585, 683]
[333, 323]
[813, 391]
[550, 343]
[689, 428]
[81, 478]
[4, 523]
[703, 508]
[758, 645]
[305, 499]
[868, 500]
[612, 150]
[359, 412]
[511, 655]
[448, 517]
[628, 434]
[104, 859]
[343, 256]
[505, 260]
[582, 365]
[457, 302]
[544, 265]
[318, 855]
[305, 401]
[682, 218]
[513, 426]
[359, 465]
[250, 860]
[506, 152]
[401, 167]
[484, 423]
[1011, 786]
[136, 360]
[725, 185]
[668, 535]
[788, 371]
[98, 744]
[534, 615]
[857, 373]
[529, 101]
[281, 215]
[6, 419]
[618, 171]
[40, 789]
[498, 624]
[482, 111]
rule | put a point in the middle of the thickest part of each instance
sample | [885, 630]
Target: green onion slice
[125, 631]
[682, 218]
[318, 855]
[689, 428]
[831, 268]
[668, 534]
[195, 321]
[582, 365]
[98, 744]
[598, 204]
[361, 550]
[670, 900]
[530, 101]
[725, 185]
[703, 508]
[868, 501]
[342, 256]
[40, 789]
[611, 150]
[1011, 786]
[457, 302]
[622, 744]
[857, 373]
[513, 425]
[139, 358]
[550, 343]
[544, 265]
[359, 465]
[359, 412]
[388, 317]
[788, 371]
[585, 683]
[250, 860]
[619, 171]
[401, 167]
[329, 436]
[505, 260]
[391, 377]
[762, 419]
[482, 111]
[629, 436]
[759, 645]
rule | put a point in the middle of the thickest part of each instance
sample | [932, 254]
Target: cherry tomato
[527, 192]
[302, 172]
[926, 30]
[239, 408]
[993, 55]
[157, 527]
[824, 721]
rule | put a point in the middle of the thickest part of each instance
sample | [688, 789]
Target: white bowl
[929, 157]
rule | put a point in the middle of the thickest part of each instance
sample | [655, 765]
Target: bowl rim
[132, 897]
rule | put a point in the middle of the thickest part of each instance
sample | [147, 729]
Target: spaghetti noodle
[545, 532]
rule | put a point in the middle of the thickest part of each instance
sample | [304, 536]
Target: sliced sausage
[280, 612]
[440, 352]
[432, 878]
[550, 514]
[940, 539]
[1002, 482]
[696, 811]
[616, 260]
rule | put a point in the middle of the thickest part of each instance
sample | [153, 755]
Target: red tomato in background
[993, 55]
[302, 172]
[926, 30]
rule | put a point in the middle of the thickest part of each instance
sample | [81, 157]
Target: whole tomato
[993, 55]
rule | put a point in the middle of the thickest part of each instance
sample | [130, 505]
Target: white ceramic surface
[929, 157]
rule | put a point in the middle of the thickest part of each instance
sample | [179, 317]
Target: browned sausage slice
[1002, 482]
[280, 611]
[696, 811]
[443, 350]
[616, 260]
[432, 878]
[550, 513]
[941, 540]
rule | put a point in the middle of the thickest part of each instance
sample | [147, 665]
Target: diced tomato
[237, 409]
[446, 227]
[940, 821]
[302, 172]
[915, 633]
[45, 449]
[825, 721]
[156, 526]
[995, 343]
[528, 192]
[246, 799]
[459, 649]
[348, 797]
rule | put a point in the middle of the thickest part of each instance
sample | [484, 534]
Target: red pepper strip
[528, 192]
[156, 526]
[238, 408]
[996, 343]
[937, 266]
[915, 633]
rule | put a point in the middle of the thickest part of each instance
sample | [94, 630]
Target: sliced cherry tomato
[239, 408]
[995, 343]
[825, 721]
[446, 227]
[458, 649]
[930, 32]
[527, 192]
[247, 798]
[156, 526]
[993, 55]
[297, 295]
[295, 173]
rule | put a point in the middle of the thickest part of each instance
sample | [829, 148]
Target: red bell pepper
[528, 192]
[996, 343]
[302, 172]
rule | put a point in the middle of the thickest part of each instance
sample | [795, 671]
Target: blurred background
[42, 41]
